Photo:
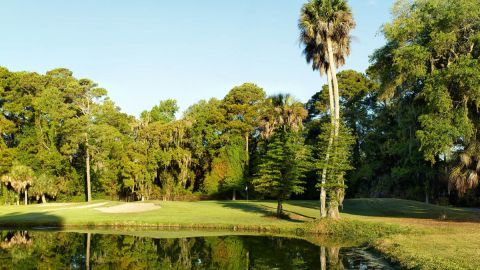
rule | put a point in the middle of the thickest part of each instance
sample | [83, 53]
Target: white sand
[49, 204]
[90, 205]
[74, 207]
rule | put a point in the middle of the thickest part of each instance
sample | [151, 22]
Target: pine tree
[281, 167]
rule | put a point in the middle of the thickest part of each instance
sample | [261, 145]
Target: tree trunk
[333, 211]
[87, 251]
[333, 71]
[234, 196]
[246, 163]
[44, 200]
[246, 149]
[427, 187]
[87, 166]
[427, 200]
[336, 96]
[323, 192]
[279, 208]
[26, 196]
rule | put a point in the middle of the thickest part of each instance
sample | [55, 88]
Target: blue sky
[147, 50]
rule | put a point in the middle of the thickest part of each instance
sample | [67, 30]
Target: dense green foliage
[60, 133]
[414, 114]
[422, 140]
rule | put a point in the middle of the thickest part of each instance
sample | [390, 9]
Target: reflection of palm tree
[323, 258]
[185, 259]
[18, 239]
[333, 256]
[87, 251]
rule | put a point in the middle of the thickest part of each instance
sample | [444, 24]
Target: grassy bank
[439, 237]
[414, 234]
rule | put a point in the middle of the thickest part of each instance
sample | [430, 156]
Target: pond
[39, 249]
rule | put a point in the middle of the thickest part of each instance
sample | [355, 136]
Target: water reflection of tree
[37, 250]
[13, 239]
[334, 261]
[53, 250]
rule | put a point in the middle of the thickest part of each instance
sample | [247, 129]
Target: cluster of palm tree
[325, 27]
[465, 174]
[20, 179]
[284, 112]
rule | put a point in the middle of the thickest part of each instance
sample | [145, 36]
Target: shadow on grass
[28, 220]
[398, 208]
[264, 210]
[306, 204]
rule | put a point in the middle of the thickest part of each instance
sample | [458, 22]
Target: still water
[88, 250]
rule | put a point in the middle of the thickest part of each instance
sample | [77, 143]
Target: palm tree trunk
[234, 195]
[87, 166]
[336, 96]
[44, 200]
[247, 157]
[427, 193]
[333, 211]
[323, 192]
[26, 196]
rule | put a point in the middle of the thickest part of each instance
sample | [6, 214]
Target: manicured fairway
[429, 236]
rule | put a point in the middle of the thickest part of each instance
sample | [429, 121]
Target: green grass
[206, 214]
[414, 234]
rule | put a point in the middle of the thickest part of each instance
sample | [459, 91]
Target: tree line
[406, 127]
[63, 138]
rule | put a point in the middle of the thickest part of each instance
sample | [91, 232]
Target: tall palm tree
[316, 53]
[325, 27]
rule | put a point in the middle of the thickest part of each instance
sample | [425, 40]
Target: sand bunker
[74, 207]
[54, 204]
[90, 205]
[129, 208]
